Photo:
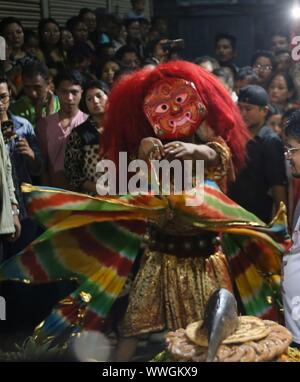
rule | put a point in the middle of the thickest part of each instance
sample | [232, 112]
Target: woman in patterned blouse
[82, 151]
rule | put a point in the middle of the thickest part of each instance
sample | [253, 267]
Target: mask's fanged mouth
[181, 121]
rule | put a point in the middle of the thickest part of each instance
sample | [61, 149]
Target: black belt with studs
[201, 244]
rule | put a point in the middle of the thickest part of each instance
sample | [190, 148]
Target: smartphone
[7, 129]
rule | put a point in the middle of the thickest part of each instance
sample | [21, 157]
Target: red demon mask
[174, 108]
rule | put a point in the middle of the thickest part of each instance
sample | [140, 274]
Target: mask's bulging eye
[162, 108]
[181, 98]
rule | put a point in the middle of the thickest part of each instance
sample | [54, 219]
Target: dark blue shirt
[265, 169]
[20, 169]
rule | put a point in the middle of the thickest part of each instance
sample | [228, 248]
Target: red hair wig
[126, 124]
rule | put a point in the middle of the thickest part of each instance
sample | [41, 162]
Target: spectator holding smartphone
[23, 149]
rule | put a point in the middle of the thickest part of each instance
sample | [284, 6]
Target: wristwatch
[15, 211]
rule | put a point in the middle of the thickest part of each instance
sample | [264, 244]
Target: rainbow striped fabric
[92, 240]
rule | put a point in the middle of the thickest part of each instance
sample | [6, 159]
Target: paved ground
[149, 346]
[20, 314]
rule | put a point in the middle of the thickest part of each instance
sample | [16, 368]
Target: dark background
[251, 21]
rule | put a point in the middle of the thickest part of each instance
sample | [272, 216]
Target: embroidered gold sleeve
[216, 173]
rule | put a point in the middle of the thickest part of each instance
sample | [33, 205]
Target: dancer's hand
[151, 148]
[190, 151]
[180, 150]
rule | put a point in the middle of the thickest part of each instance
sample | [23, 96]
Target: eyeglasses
[290, 150]
[263, 67]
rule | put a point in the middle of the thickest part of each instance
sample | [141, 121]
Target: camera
[168, 45]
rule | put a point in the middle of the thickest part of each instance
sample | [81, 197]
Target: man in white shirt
[291, 261]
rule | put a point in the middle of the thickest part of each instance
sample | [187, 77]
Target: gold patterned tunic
[177, 275]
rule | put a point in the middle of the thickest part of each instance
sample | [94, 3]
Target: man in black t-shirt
[261, 185]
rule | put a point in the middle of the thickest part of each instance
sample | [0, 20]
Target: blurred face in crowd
[263, 68]
[14, 36]
[161, 25]
[130, 60]
[238, 84]
[109, 71]
[90, 21]
[224, 50]
[284, 62]
[80, 32]
[159, 52]
[36, 88]
[279, 42]
[153, 34]
[4, 99]
[51, 34]
[254, 116]
[138, 6]
[134, 30]
[67, 39]
[112, 29]
[278, 91]
[109, 51]
[69, 96]
[275, 123]
[122, 36]
[95, 101]
[144, 29]
[32, 46]
[294, 155]
[82, 65]
[51, 85]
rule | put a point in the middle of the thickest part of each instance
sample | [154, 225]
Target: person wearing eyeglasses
[10, 228]
[291, 262]
[25, 157]
[264, 64]
[262, 184]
